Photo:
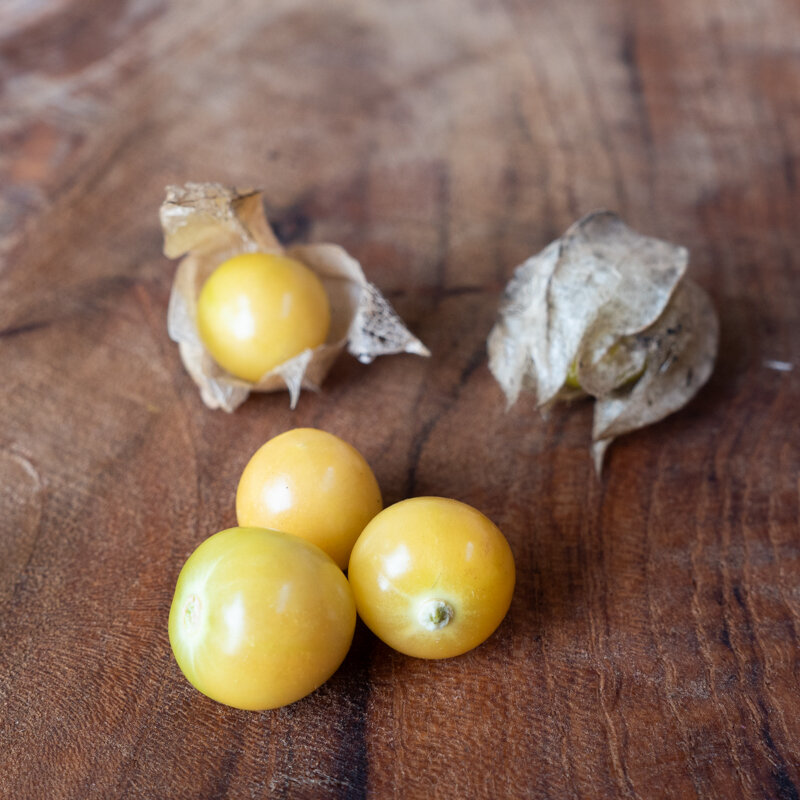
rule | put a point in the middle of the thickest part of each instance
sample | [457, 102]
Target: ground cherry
[432, 577]
[260, 618]
[312, 484]
[623, 380]
[258, 310]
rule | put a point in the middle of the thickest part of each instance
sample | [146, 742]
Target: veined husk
[610, 310]
[208, 223]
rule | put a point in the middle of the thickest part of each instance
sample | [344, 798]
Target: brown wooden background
[652, 646]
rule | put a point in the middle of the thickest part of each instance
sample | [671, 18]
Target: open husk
[208, 223]
[606, 312]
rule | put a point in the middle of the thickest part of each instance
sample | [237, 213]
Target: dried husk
[209, 223]
[610, 310]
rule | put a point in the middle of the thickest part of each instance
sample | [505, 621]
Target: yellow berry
[257, 310]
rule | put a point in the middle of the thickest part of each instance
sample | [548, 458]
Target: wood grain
[652, 646]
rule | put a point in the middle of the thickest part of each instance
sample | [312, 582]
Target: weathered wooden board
[652, 646]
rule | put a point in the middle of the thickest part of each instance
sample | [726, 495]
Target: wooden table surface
[651, 649]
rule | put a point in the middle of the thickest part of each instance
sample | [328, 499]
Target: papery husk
[613, 308]
[680, 348]
[209, 223]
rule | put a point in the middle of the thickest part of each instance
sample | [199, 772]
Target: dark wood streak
[780, 773]
[224, 775]
[25, 327]
[417, 445]
[790, 172]
[352, 758]
[291, 225]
